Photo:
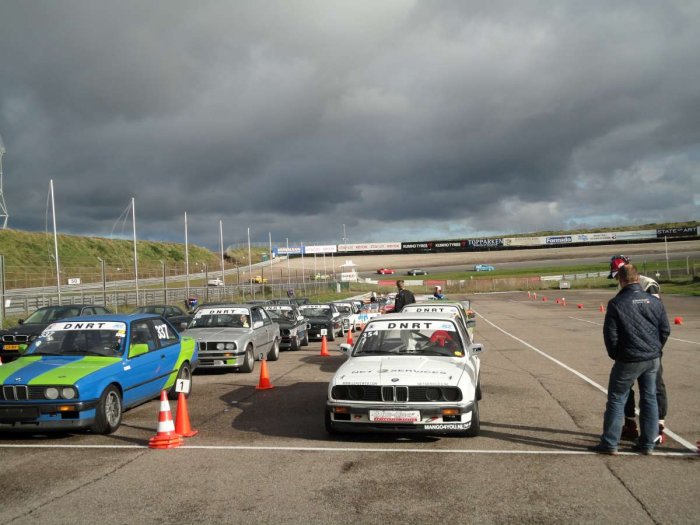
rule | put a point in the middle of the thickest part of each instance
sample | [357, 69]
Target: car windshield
[316, 311]
[52, 313]
[81, 338]
[221, 318]
[344, 308]
[281, 315]
[426, 338]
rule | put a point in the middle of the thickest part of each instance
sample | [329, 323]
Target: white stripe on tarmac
[601, 324]
[360, 449]
[669, 433]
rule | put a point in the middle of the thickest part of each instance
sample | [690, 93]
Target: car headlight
[220, 346]
[51, 392]
[68, 392]
[230, 346]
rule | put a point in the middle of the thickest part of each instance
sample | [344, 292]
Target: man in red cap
[630, 430]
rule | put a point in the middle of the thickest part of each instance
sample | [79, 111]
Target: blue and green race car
[83, 372]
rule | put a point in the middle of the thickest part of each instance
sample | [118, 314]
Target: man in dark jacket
[403, 297]
[635, 330]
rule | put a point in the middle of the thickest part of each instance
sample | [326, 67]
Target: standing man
[635, 330]
[403, 297]
[629, 429]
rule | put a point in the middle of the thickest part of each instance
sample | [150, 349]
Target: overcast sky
[400, 120]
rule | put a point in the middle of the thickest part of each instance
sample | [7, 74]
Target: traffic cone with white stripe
[165, 436]
[348, 339]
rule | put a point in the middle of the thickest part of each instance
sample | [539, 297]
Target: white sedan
[408, 372]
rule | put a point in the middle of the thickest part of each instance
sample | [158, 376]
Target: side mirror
[257, 324]
[346, 348]
[183, 325]
[138, 349]
[477, 348]
[20, 321]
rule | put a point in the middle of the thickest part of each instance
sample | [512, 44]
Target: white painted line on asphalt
[601, 324]
[669, 433]
[357, 449]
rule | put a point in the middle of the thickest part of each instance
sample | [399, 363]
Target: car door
[142, 368]
[271, 328]
[261, 337]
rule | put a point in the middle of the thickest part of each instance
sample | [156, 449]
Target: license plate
[9, 414]
[11, 347]
[394, 416]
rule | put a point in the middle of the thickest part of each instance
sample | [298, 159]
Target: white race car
[408, 372]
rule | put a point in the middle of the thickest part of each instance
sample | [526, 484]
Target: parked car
[14, 341]
[349, 314]
[259, 279]
[294, 328]
[416, 271]
[83, 372]
[460, 309]
[215, 282]
[234, 336]
[385, 271]
[483, 268]
[408, 372]
[320, 277]
[323, 318]
[177, 317]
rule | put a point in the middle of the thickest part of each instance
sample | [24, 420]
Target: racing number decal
[162, 331]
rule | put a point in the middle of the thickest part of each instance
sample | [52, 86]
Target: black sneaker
[642, 451]
[600, 449]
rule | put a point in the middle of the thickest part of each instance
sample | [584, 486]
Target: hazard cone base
[324, 347]
[264, 383]
[165, 436]
[182, 418]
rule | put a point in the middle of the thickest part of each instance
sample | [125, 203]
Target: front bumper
[220, 359]
[47, 416]
[429, 418]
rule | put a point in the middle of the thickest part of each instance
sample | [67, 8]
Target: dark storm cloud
[400, 120]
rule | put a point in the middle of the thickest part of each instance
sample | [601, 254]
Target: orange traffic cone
[544, 299]
[264, 383]
[676, 320]
[534, 296]
[182, 418]
[579, 306]
[529, 295]
[602, 308]
[563, 301]
[165, 436]
[348, 339]
[324, 347]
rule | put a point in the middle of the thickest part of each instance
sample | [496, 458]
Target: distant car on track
[259, 279]
[385, 271]
[215, 282]
[408, 372]
[483, 268]
[83, 372]
[416, 271]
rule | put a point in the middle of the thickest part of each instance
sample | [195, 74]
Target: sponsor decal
[410, 325]
[416, 245]
[367, 247]
[83, 325]
[277, 307]
[447, 426]
[450, 244]
[431, 309]
[221, 311]
[411, 371]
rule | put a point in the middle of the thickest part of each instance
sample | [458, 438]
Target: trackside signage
[689, 231]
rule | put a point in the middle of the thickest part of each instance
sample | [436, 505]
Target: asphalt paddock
[262, 456]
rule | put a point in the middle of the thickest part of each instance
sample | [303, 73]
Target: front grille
[22, 392]
[15, 338]
[396, 394]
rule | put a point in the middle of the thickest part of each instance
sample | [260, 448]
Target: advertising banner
[485, 243]
[558, 239]
[523, 241]
[687, 231]
[635, 234]
[370, 247]
[292, 250]
[328, 248]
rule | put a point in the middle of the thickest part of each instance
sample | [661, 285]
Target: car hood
[319, 319]
[52, 370]
[400, 370]
[25, 329]
[216, 334]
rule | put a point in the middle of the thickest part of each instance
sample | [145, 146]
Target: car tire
[475, 427]
[185, 372]
[478, 391]
[248, 360]
[331, 335]
[330, 429]
[305, 341]
[295, 343]
[108, 414]
[274, 353]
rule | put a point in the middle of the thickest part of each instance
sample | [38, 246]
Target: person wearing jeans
[635, 330]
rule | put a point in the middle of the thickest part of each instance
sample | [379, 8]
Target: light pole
[165, 283]
[104, 281]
